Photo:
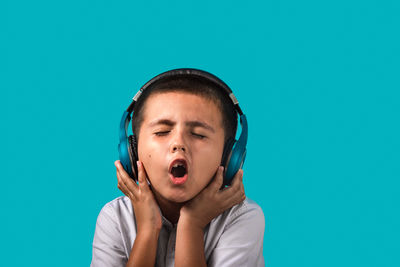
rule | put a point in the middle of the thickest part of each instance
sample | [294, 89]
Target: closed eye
[198, 135]
[164, 133]
[161, 133]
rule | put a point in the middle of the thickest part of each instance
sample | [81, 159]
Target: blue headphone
[234, 150]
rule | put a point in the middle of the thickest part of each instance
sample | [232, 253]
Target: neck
[169, 209]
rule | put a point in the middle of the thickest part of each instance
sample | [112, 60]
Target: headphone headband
[234, 151]
[186, 72]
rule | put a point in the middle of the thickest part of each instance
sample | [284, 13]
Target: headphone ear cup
[235, 162]
[133, 155]
[227, 151]
[226, 156]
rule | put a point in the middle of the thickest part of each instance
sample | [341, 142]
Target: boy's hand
[212, 201]
[147, 212]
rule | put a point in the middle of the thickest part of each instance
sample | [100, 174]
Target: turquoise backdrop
[318, 80]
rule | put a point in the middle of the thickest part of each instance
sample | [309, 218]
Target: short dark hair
[193, 85]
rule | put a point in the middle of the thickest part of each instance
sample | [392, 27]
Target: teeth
[177, 164]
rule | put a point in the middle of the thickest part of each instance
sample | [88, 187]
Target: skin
[163, 137]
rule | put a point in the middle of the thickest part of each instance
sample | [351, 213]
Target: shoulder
[247, 206]
[120, 206]
[114, 231]
[118, 209]
[235, 238]
[118, 214]
[116, 222]
[248, 211]
[244, 219]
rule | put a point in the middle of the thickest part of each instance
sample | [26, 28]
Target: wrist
[189, 249]
[148, 233]
[187, 221]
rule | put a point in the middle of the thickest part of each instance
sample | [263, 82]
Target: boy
[179, 213]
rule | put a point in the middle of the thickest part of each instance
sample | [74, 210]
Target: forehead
[181, 105]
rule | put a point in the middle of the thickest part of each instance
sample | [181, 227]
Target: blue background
[318, 80]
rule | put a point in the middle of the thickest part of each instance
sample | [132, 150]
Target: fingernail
[116, 163]
[221, 168]
[138, 164]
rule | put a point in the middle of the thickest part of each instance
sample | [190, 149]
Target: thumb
[143, 186]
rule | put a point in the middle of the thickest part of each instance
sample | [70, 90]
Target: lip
[178, 181]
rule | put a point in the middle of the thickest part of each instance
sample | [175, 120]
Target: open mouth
[178, 171]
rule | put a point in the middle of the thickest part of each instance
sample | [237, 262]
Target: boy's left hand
[212, 201]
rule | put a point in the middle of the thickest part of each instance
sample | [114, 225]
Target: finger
[237, 179]
[239, 194]
[233, 200]
[122, 186]
[235, 186]
[128, 183]
[218, 179]
[121, 169]
[125, 176]
[126, 179]
[242, 187]
[142, 177]
[243, 195]
[236, 199]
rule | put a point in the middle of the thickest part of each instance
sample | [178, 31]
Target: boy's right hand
[147, 212]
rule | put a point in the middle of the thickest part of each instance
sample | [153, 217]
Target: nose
[177, 147]
[178, 143]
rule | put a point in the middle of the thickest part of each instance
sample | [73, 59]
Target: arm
[144, 250]
[198, 212]
[189, 249]
[148, 217]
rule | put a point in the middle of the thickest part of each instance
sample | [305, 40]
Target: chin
[178, 199]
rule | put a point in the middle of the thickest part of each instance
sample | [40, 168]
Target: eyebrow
[187, 123]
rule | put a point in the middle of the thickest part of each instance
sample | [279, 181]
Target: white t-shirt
[234, 238]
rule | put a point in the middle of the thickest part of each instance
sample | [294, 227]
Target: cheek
[210, 161]
[153, 162]
[146, 149]
[144, 154]
[146, 159]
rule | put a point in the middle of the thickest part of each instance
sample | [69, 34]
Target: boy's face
[173, 123]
